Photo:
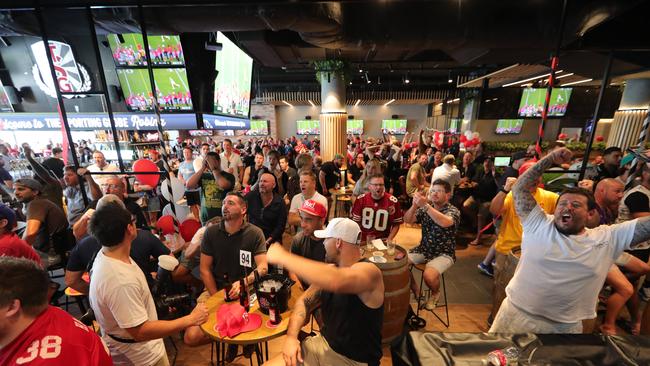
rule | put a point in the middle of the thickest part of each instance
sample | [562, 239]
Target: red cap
[188, 228]
[525, 166]
[233, 319]
[313, 208]
[167, 224]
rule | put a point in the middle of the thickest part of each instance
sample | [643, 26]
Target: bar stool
[443, 288]
[343, 203]
[77, 296]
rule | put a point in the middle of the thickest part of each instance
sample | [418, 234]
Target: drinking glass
[369, 240]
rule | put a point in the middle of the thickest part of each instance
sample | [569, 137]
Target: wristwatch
[504, 191]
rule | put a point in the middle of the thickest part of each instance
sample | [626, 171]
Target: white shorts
[440, 263]
[511, 319]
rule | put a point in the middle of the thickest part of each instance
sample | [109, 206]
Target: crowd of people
[248, 194]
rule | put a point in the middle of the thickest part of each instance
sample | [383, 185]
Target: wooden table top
[261, 334]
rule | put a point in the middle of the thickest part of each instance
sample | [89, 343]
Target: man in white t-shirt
[447, 172]
[101, 166]
[121, 299]
[307, 192]
[231, 163]
[563, 265]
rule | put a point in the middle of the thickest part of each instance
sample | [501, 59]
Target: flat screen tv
[509, 126]
[454, 124]
[308, 127]
[394, 126]
[128, 50]
[532, 102]
[5, 105]
[171, 90]
[232, 87]
[258, 128]
[355, 126]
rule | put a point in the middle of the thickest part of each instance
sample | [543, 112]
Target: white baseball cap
[340, 228]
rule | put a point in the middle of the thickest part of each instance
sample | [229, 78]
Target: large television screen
[532, 102]
[308, 127]
[258, 128]
[171, 90]
[5, 105]
[394, 126]
[232, 87]
[509, 126]
[128, 50]
[454, 125]
[355, 126]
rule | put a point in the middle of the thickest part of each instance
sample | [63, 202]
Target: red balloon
[600, 138]
[188, 228]
[167, 224]
[144, 165]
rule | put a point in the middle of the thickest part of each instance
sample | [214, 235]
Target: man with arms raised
[34, 333]
[377, 212]
[351, 298]
[563, 264]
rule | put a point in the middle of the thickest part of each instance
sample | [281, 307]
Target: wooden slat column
[333, 117]
[626, 127]
[333, 135]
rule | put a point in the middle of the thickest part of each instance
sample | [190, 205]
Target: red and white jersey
[376, 217]
[56, 338]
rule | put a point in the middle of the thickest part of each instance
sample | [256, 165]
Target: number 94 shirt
[56, 338]
[376, 217]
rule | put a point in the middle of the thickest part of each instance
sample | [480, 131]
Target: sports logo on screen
[71, 77]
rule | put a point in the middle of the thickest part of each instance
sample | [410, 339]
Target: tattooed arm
[306, 304]
[641, 231]
[521, 191]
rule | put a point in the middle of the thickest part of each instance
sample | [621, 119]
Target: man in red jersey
[11, 245]
[34, 333]
[378, 213]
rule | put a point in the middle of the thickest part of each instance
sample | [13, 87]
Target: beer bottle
[243, 295]
[274, 311]
[227, 287]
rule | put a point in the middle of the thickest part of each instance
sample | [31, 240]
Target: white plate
[375, 259]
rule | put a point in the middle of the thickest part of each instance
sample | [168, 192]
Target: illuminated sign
[95, 121]
[71, 77]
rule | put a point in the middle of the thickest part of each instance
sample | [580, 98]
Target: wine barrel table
[396, 291]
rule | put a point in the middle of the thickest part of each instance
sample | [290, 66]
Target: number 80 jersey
[376, 217]
[56, 338]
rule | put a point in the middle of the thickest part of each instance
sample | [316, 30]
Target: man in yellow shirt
[510, 233]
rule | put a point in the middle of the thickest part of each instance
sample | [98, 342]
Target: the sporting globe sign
[71, 77]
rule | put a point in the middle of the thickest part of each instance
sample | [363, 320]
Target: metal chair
[443, 288]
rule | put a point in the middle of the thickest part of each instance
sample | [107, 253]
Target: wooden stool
[78, 296]
[342, 204]
[443, 288]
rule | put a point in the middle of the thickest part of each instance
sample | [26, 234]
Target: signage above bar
[216, 122]
[95, 121]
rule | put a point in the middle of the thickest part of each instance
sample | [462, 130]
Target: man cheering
[350, 296]
[563, 264]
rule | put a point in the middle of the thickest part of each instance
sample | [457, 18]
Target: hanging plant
[329, 68]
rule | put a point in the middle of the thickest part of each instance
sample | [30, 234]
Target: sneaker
[432, 302]
[486, 270]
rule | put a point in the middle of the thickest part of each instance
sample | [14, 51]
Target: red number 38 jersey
[56, 338]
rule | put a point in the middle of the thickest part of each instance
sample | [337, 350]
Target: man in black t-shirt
[305, 243]
[330, 174]
[350, 295]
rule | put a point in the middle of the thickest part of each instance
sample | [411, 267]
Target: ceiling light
[389, 102]
[450, 81]
[565, 75]
[350, 82]
[455, 100]
[529, 79]
[287, 103]
[406, 78]
[312, 103]
[284, 67]
[360, 70]
[578, 82]
[357, 103]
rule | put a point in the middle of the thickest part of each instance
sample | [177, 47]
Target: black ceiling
[432, 41]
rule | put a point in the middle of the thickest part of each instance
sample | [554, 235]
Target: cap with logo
[340, 228]
[233, 319]
[7, 213]
[313, 208]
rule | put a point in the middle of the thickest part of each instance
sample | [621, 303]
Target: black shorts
[193, 198]
[642, 254]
